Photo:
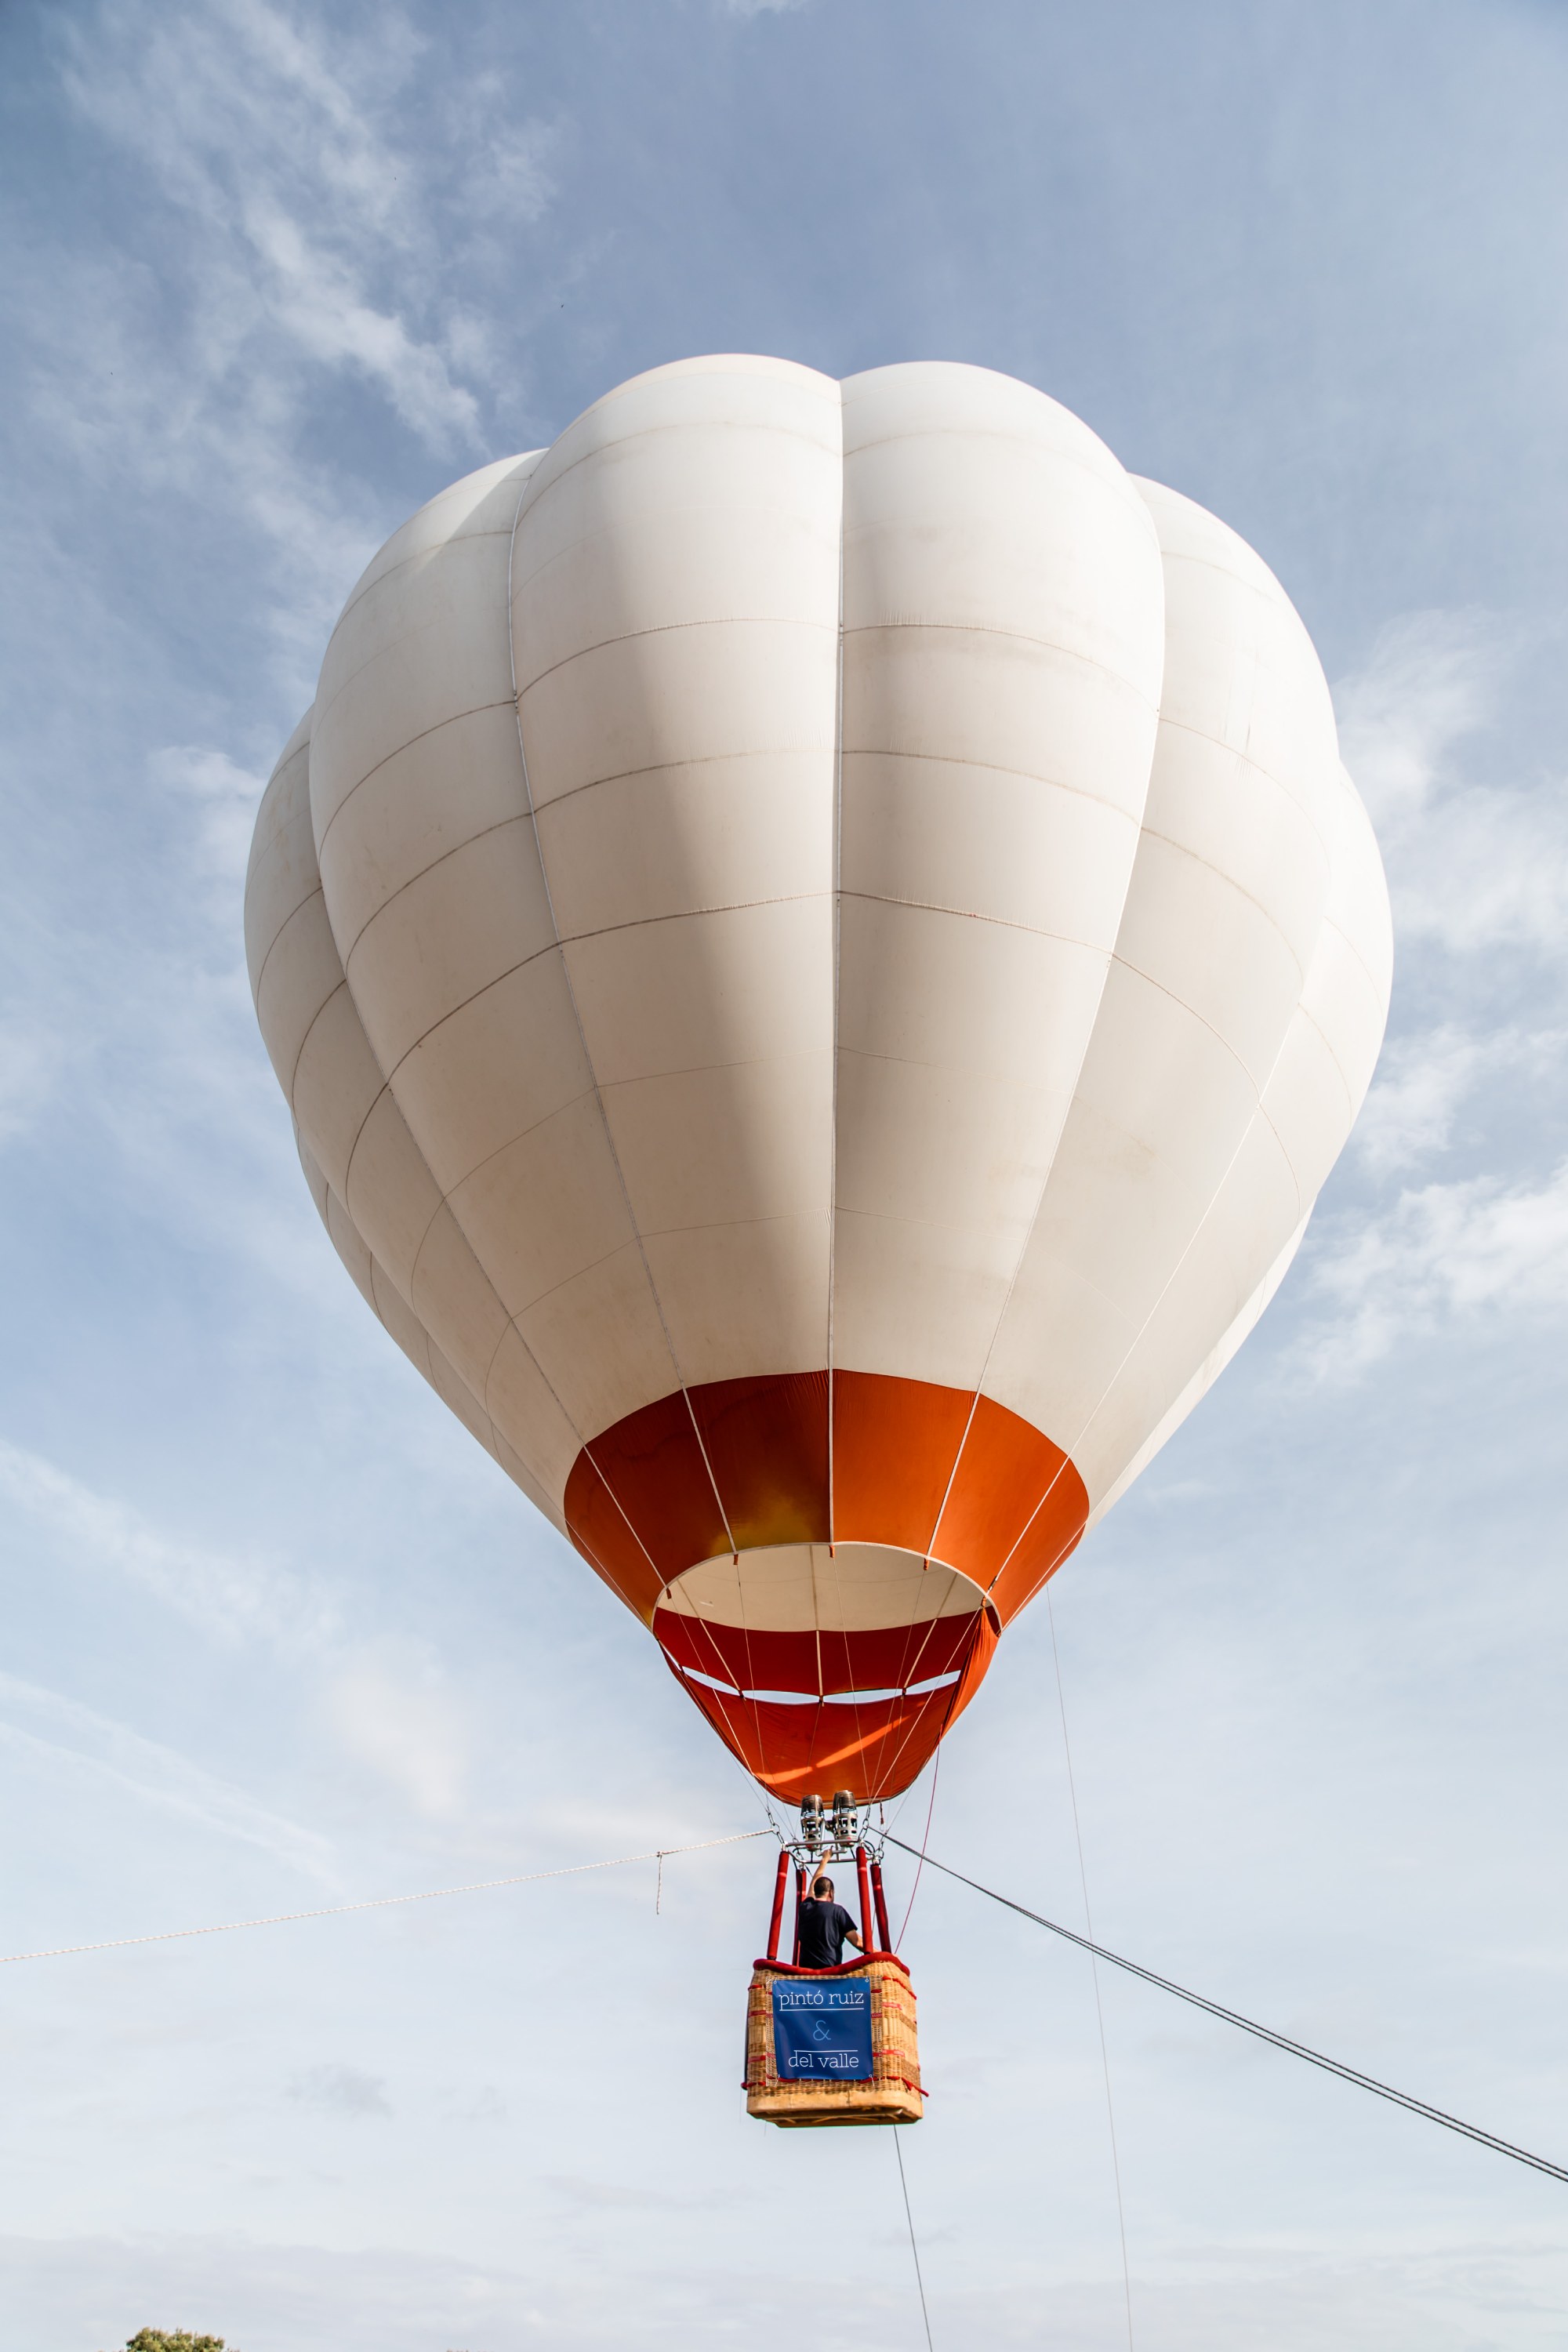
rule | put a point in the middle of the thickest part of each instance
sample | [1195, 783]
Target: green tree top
[178, 2339]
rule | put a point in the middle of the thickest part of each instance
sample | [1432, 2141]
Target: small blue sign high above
[822, 2029]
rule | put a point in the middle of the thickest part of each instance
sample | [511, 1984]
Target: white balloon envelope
[821, 950]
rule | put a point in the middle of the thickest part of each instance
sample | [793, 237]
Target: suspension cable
[903, 1931]
[1249, 2025]
[379, 1902]
[1093, 1971]
[920, 2283]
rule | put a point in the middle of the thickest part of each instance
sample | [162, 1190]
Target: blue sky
[276, 1634]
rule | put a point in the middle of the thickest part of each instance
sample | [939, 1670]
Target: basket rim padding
[845, 1969]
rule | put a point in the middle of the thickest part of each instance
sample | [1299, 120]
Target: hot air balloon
[820, 951]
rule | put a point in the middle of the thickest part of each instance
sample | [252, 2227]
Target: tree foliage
[178, 2339]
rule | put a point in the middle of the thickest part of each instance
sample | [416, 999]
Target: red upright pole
[884, 1941]
[868, 1927]
[799, 1899]
[776, 1922]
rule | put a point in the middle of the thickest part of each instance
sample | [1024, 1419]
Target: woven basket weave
[891, 2096]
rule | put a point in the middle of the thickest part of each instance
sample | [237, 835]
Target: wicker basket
[892, 2094]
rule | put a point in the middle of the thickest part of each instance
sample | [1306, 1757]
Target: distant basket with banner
[832, 2045]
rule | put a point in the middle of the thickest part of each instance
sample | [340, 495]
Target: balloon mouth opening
[826, 1564]
[844, 1588]
[808, 1657]
[816, 1624]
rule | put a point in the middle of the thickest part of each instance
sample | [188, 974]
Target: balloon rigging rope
[1249, 2025]
[1093, 1967]
[931, 1809]
[920, 2283]
[660, 1854]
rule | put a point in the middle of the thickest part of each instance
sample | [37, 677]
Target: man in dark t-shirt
[824, 1925]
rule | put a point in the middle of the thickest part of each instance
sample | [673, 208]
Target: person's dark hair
[821, 1880]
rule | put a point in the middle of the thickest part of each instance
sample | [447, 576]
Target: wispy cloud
[227, 1597]
[1478, 869]
[311, 249]
[1424, 1080]
[298, 206]
[1442, 1251]
[55, 1732]
[223, 798]
[1430, 680]
[1471, 865]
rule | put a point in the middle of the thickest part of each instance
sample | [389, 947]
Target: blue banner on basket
[822, 2029]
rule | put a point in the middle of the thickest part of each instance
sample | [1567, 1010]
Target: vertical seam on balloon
[908, 1671]
[1251, 1312]
[510, 1323]
[1024, 1245]
[482, 1398]
[1258, 1116]
[1055, 1146]
[310, 1032]
[854, 1704]
[752, 1682]
[726, 1670]
[1039, 1203]
[577, 1016]
[261, 969]
[609, 1574]
[620, 1507]
[837, 877]
[892, 1763]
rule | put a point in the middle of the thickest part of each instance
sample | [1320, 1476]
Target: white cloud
[46, 1728]
[507, 165]
[313, 231]
[1486, 869]
[1471, 865]
[403, 1727]
[1424, 1079]
[295, 199]
[226, 798]
[1431, 679]
[225, 1596]
[1443, 1250]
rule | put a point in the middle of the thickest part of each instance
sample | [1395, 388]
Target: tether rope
[920, 2283]
[379, 1902]
[1249, 2025]
[1093, 1970]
